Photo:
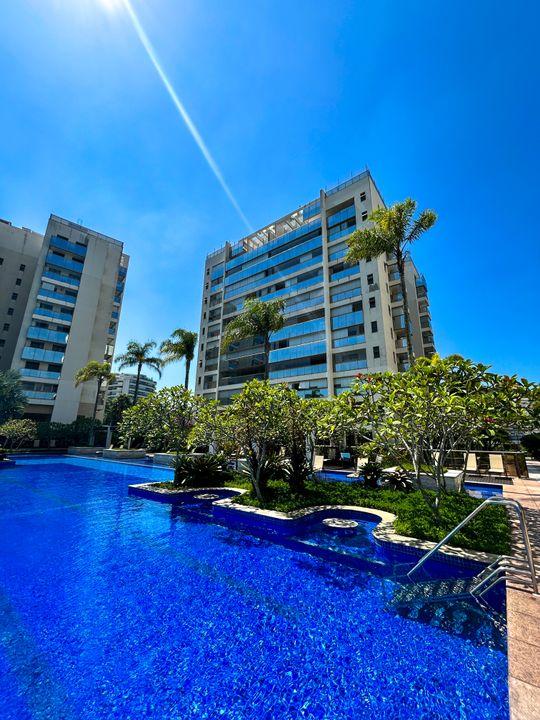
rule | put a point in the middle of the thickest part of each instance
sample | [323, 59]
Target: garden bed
[487, 532]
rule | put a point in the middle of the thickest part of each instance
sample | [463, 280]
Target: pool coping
[384, 533]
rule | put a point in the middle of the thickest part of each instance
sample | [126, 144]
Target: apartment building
[65, 314]
[124, 384]
[340, 319]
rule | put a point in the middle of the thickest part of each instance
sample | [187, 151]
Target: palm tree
[180, 346]
[138, 355]
[393, 229]
[258, 319]
[100, 372]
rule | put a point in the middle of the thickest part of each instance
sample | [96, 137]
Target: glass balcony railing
[36, 333]
[39, 395]
[353, 340]
[42, 293]
[352, 365]
[345, 273]
[293, 372]
[61, 278]
[62, 244]
[298, 351]
[114, 315]
[43, 312]
[41, 374]
[63, 263]
[40, 355]
[347, 319]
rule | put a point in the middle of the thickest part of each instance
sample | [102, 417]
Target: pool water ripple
[127, 608]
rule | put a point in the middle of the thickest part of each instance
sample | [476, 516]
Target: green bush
[201, 471]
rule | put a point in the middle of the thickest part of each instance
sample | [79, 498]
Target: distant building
[124, 384]
[60, 302]
[340, 319]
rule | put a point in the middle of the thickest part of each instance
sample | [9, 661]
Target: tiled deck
[524, 610]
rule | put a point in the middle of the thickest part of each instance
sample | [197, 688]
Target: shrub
[201, 471]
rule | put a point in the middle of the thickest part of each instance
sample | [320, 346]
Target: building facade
[340, 319]
[68, 314]
[124, 384]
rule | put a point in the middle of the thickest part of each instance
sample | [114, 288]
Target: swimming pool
[119, 607]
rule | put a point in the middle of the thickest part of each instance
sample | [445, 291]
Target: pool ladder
[520, 571]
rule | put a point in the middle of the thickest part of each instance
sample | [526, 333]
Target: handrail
[494, 500]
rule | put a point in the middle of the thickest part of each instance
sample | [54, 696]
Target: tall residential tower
[340, 319]
[66, 313]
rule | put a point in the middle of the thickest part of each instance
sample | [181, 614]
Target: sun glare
[111, 5]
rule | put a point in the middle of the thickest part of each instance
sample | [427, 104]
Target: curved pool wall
[116, 606]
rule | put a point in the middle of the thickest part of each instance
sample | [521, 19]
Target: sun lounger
[318, 463]
[359, 465]
[496, 465]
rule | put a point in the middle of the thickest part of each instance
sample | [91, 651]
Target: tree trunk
[266, 356]
[91, 434]
[188, 365]
[136, 393]
[406, 313]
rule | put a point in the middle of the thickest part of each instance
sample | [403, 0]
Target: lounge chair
[359, 465]
[496, 465]
[472, 465]
[318, 463]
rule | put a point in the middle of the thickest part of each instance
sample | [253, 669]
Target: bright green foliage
[101, 373]
[180, 346]
[393, 229]
[436, 407]
[163, 420]
[215, 429]
[17, 432]
[258, 319]
[299, 426]
[12, 399]
[256, 416]
[139, 355]
[199, 471]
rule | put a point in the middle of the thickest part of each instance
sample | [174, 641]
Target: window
[1, 261]
[10, 311]
[14, 296]
[364, 215]
[18, 281]
[31, 365]
[2, 343]
[370, 279]
[376, 351]
[374, 326]
[362, 197]
[38, 345]
[22, 268]
[371, 302]
[6, 326]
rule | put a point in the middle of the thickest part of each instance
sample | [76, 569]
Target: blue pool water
[120, 607]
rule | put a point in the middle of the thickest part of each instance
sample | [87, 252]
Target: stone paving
[523, 609]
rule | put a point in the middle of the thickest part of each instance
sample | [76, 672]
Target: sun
[111, 6]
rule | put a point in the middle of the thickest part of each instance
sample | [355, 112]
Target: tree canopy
[12, 399]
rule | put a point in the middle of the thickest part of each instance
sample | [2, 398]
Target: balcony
[293, 372]
[61, 278]
[63, 263]
[62, 244]
[57, 297]
[44, 313]
[40, 374]
[352, 365]
[40, 355]
[53, 336]
[353, 340]
[40, 395]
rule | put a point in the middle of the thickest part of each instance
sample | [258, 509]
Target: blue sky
[440, 100]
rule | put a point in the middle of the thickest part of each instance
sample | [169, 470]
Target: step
[433, 591]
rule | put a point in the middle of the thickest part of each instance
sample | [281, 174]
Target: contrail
[143, 37]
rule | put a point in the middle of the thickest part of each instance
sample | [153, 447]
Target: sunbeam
[180, 107]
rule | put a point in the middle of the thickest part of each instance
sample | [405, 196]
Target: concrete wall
[18, 246]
